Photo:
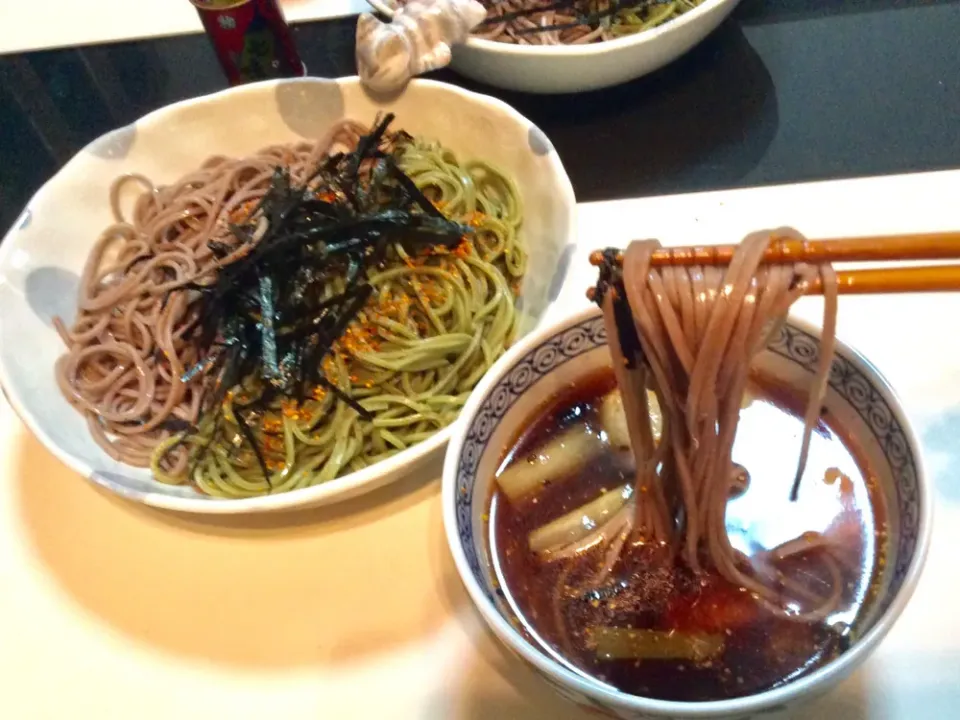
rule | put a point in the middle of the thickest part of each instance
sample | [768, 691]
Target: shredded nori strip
[249, 437]
[267, 315]
[176, 425]
[611, 278]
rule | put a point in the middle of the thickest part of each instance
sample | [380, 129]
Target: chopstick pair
[921, 278]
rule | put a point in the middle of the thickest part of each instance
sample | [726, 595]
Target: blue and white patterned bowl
[552, 358]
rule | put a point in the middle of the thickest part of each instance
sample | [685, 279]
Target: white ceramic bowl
[43, 254]
[550, 359]
[576, 68]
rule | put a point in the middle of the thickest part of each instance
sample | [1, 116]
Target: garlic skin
[417, 40]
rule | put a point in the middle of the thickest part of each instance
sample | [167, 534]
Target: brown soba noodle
[574, 22]
[699, 329]
[125, 398]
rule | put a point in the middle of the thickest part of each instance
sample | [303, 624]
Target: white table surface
[111, 610]
[41, 24]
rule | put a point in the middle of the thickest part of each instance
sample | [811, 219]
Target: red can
[251, 38]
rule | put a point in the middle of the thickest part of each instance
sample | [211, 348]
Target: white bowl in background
[42, 256]
[549, 360]
[577, 68]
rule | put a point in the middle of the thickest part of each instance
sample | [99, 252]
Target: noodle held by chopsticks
[689, 333]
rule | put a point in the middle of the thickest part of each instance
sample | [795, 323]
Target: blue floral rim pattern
[792, 343]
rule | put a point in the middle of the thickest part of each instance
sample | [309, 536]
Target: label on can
[251, 38]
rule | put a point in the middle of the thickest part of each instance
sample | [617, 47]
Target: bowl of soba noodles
[542, 46]
[279, 295]
[684, 504]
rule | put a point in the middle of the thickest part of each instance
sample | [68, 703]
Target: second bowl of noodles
[278, 295]
[579, 45]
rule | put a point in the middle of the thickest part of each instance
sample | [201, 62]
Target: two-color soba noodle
[431, 328]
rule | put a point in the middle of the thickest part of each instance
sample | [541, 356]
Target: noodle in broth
[646, 529]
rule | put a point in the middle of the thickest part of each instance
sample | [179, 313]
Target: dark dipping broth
[739, 646]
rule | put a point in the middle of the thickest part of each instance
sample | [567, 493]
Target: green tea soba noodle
[272, 322]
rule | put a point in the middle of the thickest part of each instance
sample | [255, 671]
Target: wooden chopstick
[917, 279]
[928, 278]
[930, 246]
